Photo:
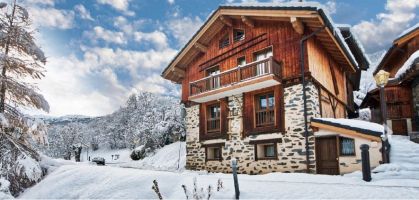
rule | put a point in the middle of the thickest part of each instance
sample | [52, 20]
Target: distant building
[402, 91]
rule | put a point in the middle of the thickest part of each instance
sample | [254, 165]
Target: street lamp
[381, 79]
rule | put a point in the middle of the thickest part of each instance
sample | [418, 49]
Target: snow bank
[408, 64]
[110, 155]
[103, 182]
[171, 157]
[50, 164]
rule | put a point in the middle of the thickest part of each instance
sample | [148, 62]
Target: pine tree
[20, 59]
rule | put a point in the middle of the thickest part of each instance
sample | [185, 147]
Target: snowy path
[87, 181]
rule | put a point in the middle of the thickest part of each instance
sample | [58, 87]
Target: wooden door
[399, 127]
[327, 160]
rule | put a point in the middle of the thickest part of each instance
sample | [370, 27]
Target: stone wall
[291, 151]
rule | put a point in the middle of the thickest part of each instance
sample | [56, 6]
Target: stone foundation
[291, 151]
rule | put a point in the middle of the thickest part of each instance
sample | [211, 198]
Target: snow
[403, 168]
[408, 64]
[110, 155]
[4, 189]
[171, 157]
[408, 30]
[354, 123]
[84, 182]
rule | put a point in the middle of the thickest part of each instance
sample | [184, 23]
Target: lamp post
[381, 79]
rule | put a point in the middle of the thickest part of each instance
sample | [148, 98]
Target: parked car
[99, 160]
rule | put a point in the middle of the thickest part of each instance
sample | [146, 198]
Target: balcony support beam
[249, 22]
[201, 47]
[297, 25]
[226, 20]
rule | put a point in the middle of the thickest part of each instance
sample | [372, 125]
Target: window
[238, 35]
[265, 109]
[225, 41]
[266, 149]
[213, 118]
[262, 68]
[269, 151]
[213, 153]
[347, 146]
[214, 82]
[241, 61]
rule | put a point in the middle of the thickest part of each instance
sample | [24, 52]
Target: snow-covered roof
[365, 127]
[408, 64]
[407, 31]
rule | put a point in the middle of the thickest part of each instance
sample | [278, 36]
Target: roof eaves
[359, 130]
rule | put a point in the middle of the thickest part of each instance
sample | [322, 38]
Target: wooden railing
[238, 74]
[265, 118]
[213, 125]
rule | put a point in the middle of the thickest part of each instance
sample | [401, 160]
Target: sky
[101, 51]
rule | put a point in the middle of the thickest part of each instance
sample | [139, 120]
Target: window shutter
[224, 115]
[248, 113]
[202, 121]
[278, 109]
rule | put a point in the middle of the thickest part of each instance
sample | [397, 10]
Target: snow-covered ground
[397, 180]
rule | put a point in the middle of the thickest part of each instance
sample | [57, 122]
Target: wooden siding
[400, 56]
[323, 68]
[281, 37]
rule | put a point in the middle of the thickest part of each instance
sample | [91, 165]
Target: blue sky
[101, 51]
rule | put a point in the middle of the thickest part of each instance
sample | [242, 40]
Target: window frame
[262, 144]
[208, 117]
[215, 82]
[241, 38]
[222, 42]
[256, 108]
[341, 146]
[211, 147]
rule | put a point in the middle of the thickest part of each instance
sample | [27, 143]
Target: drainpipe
[303, 39]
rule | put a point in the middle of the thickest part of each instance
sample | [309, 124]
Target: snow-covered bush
[4, 189]
[138, 153]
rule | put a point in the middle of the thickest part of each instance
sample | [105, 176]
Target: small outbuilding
[338, 141]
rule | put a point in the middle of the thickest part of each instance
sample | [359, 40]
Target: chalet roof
[311, 14]
[350, 126]
[399, 41]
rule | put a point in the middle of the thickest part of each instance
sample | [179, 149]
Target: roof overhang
[395, 47]
[312, 17]
[339, 128]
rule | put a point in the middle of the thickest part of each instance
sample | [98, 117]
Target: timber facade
[242, 85]
[402, 91]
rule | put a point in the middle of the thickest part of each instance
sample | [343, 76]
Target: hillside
[146, 119]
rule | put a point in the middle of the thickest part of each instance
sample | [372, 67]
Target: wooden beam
[249, 22]
[297, 25]
[178, 72]
[201, 47]
[226, 20]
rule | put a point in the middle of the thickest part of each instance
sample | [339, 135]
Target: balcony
[246, 78]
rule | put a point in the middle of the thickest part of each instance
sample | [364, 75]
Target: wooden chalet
[402, 91]
[242, 85]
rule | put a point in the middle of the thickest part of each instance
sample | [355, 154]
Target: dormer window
[238, 35]
[225, 41]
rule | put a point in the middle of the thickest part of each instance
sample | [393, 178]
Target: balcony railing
[265, 118]
[238, 74]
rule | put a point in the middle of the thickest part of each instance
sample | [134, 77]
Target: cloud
[99, 33]
[331, 7]
[377, 33]
[83, 12]
[120, 5]
[182, 29]
[158, 38]
[171, 1]
[90, 85]
[51, 17]
[40, 2]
